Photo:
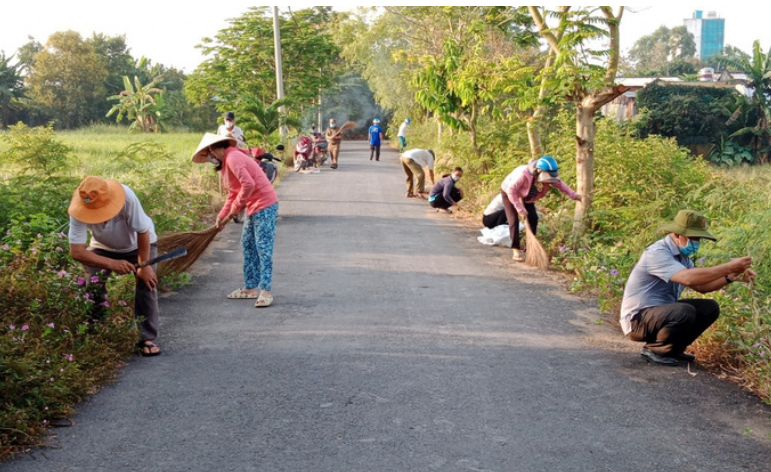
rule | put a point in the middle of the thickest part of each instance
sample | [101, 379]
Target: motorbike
[320, 150]
[303, 153]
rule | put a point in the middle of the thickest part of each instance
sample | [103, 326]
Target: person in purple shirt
[375, 138]
[444, 194]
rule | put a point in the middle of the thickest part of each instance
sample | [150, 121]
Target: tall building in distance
[708, 32]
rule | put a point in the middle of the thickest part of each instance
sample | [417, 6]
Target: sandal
[518, 255]
[242, 293]
[263, 301]
[147, 347]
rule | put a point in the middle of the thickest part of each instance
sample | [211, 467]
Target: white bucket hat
[199, 156]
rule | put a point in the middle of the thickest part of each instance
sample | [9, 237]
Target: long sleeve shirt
[444, 187]
[517, 186]
[247, 184]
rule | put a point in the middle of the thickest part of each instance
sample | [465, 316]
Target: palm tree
[757, 67]
[260, 121]
[11, 88]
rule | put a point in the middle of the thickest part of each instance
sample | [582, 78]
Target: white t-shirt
[495, 205]
[403, 129]
[236, 132]
[421, 156]
[119, 234]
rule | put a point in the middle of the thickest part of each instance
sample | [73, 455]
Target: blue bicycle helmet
[408, 121]
[548, 164]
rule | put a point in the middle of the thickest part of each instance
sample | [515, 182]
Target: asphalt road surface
[397, 342]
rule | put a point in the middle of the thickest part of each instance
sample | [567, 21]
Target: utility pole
[279, 68]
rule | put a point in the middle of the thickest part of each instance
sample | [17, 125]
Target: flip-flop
[149, 345]
[240, 293]
[263, 301]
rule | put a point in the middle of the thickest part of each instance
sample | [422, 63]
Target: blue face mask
[690, 249]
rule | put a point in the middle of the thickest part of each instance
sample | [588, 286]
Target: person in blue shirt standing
[375, 137]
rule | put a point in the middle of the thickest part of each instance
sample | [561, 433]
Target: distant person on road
[413, 162]
[334, 136]
[652, 311]
[495, 214]
[121, 235]
[375, 138]
[403, 134]
[230, 129]
[445, 194]
[248, 187]
[522, 188]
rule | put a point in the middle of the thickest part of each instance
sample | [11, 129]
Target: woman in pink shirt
[248, 187]
[522, 188]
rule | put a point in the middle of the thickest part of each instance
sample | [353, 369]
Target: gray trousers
[145, 300]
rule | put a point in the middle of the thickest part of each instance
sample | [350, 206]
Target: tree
[654, 51]
[26, 53]
[11, 88]
[67, 79]
[587, 85]
[260, 122]
[144, 104]
[758, 70]
[115, 55]
[241, 59]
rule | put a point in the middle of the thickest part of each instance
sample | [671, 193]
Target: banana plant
[144, 105]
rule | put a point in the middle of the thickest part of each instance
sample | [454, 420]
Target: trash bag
[498, 236]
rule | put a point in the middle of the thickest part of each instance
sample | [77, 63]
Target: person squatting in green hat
[652, 311]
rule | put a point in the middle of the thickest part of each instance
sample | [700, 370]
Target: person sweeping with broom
[522, 188]
[248, 187]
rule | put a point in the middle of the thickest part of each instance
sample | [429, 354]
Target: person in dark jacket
[444, 193]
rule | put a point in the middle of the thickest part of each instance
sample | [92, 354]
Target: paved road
[397, 343]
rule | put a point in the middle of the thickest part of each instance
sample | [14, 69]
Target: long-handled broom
[196, 243]
[536, 255]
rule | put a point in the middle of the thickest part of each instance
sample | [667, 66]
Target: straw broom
[536, 255]
[196, 243]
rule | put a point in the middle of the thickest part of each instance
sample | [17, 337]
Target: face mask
[690, 249]
[455, 178]
[213, 160]
[332, 126]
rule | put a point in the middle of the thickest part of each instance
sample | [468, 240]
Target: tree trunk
[585, 133]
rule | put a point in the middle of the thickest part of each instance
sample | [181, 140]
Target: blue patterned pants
[257, 239]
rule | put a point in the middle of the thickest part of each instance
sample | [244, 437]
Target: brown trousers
[334, 151]
[413, 169]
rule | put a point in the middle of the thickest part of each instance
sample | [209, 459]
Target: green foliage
[659, 49]
[34, 150]
[11, 88]
[242, 59]
[144, 105]
[692, 114]
[261, 122]
[67, 79]
[729, 153]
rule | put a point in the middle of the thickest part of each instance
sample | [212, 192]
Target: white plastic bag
[495, 236]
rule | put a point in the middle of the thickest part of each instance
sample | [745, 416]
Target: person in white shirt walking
[403, 134]
[230, 130]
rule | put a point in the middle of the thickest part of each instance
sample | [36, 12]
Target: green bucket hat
[690, 224]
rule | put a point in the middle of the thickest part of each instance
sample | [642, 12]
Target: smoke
[351, 100]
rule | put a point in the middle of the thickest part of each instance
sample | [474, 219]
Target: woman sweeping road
[522, 188]
[248, 187]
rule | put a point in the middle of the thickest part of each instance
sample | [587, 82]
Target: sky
[167, 32]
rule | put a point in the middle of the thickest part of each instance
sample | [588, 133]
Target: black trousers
[145, 300]
[669, 329]
[495, 219]
[513, 219]
[374, 149]
[443, 204]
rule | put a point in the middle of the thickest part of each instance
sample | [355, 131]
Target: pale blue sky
[167, 32]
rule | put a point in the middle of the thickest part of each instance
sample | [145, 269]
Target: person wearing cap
[230, 129]
[652, 311]
[522, 188]
[248, 187]
[375, 137]
[413, 162]
[445, 194]
[122, 235]
[403, 134]
[334, 136]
